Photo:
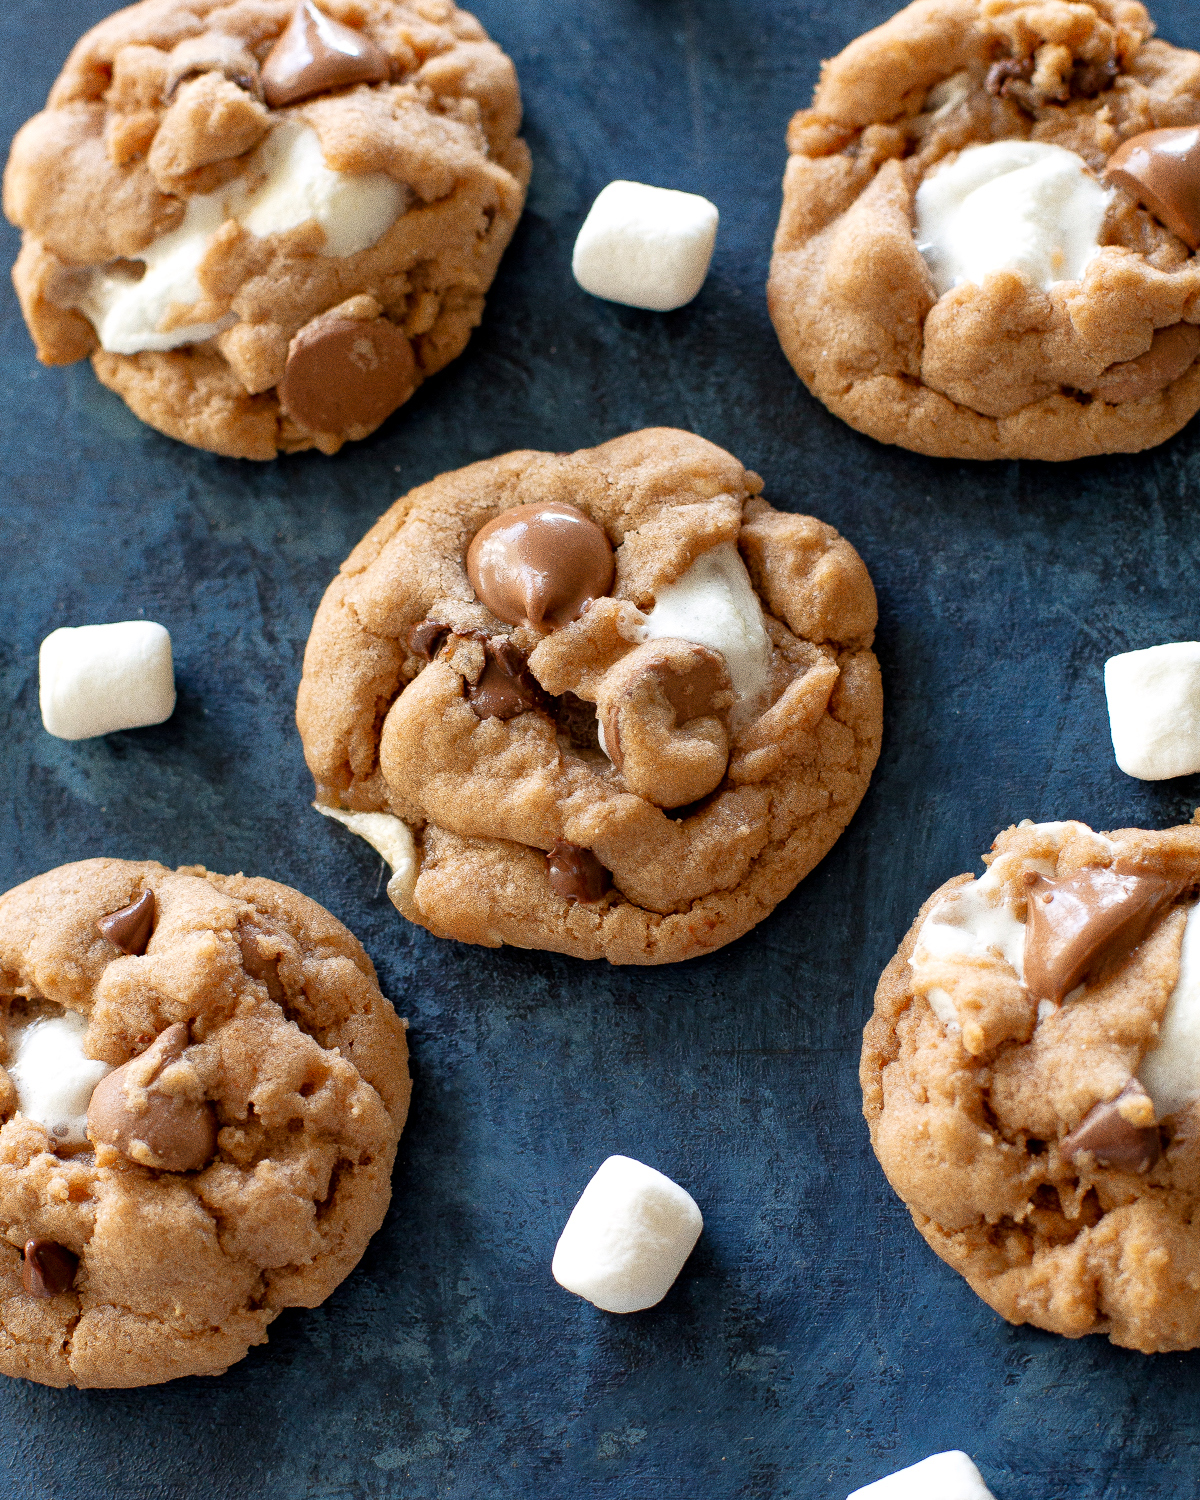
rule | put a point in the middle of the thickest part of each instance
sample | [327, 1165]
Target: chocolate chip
[575, 873]
[314, 54]
[540, 565]
[1112, 1139]
[49, 1268]
[506, 687]
[1089, 79]
[343, 374]
[173, 1131]
[427, 638]
[130, 928]
[1161, 169]
[1077, 921]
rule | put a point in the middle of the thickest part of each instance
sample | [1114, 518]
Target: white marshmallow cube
[945, 1476]
[627, 1238]
[645, 246]
[99, 678]
[1154, 710]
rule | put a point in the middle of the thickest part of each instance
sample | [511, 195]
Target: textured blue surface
[813, 1341]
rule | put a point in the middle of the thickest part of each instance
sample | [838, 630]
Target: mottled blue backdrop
[813, 1342]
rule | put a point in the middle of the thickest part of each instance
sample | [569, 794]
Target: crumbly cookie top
[1032, 1079]
[247, 1161]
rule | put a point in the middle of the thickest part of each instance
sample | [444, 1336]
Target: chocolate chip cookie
[268, 223]
[1031, 1077]
[201, 1097]
[989, 218]
[609, 703]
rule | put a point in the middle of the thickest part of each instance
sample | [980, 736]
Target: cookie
[1031, 1077]
[609, 703]
[201, 1097]
[985, 248]
[268, 223]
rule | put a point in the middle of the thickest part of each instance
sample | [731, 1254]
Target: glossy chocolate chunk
[427, 638]
[575, 873]
[1161, 169]
[49, 1268]
[130, 928]
[1114, 1140]
[1171, 354]
[344, 374]
[540, 565]
[133, 1112]
[506, 687]
[315, 54]
[1075, 922]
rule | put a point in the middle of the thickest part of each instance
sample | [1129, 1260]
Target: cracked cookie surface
[247, 1160]
[1031, 1078]
[268, 223]
[632, 757]
[1009, 365]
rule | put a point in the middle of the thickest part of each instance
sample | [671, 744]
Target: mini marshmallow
[1170, 1074]
[627, 1237]
[645, 246]
[1154, 710]
[52, 1077]
[99, 678]
[389, 836]
[945, 1476]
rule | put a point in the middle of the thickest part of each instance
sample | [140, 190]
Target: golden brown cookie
[202, 1093]
[268, 223]
[609, 703]
[1031, 1077]
[917, 311]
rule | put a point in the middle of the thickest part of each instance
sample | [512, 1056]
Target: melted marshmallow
[1010, 206]
[714, 604]
[353, 209]
[1171, 1073]
[52, 1077]
[972, 921]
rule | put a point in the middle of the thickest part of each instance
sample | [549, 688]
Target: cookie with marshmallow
[986, 245]
[1031, 1079]
[609, 703]
[201, 1093]
[267, 224]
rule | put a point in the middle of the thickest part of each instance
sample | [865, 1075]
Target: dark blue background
[813, 1342]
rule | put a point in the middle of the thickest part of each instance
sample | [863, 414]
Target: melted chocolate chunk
[1076, 922]
[314, 54]
[344, 373]
[1161, 169]
[575, 873]
[130, 928]
[428, 638]
[133, 1113]
[49, 1268]
[506, 687]
[1112, 1139]
[540, 564]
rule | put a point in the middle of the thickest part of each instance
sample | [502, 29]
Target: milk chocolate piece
[344, 374]
[575, 873]
[540, 564]
[1076, 922]
[213, 53]
[158, 1122]
[1161, 169]
[427, 638]
[506, 687]
[49, 1268]
[1114, 1140]
[130, 928]
[314, 54]
[1171, 354]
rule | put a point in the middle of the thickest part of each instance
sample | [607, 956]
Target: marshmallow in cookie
[1032, 1080]
[613, 702]
[989, 219]
[268, 225]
